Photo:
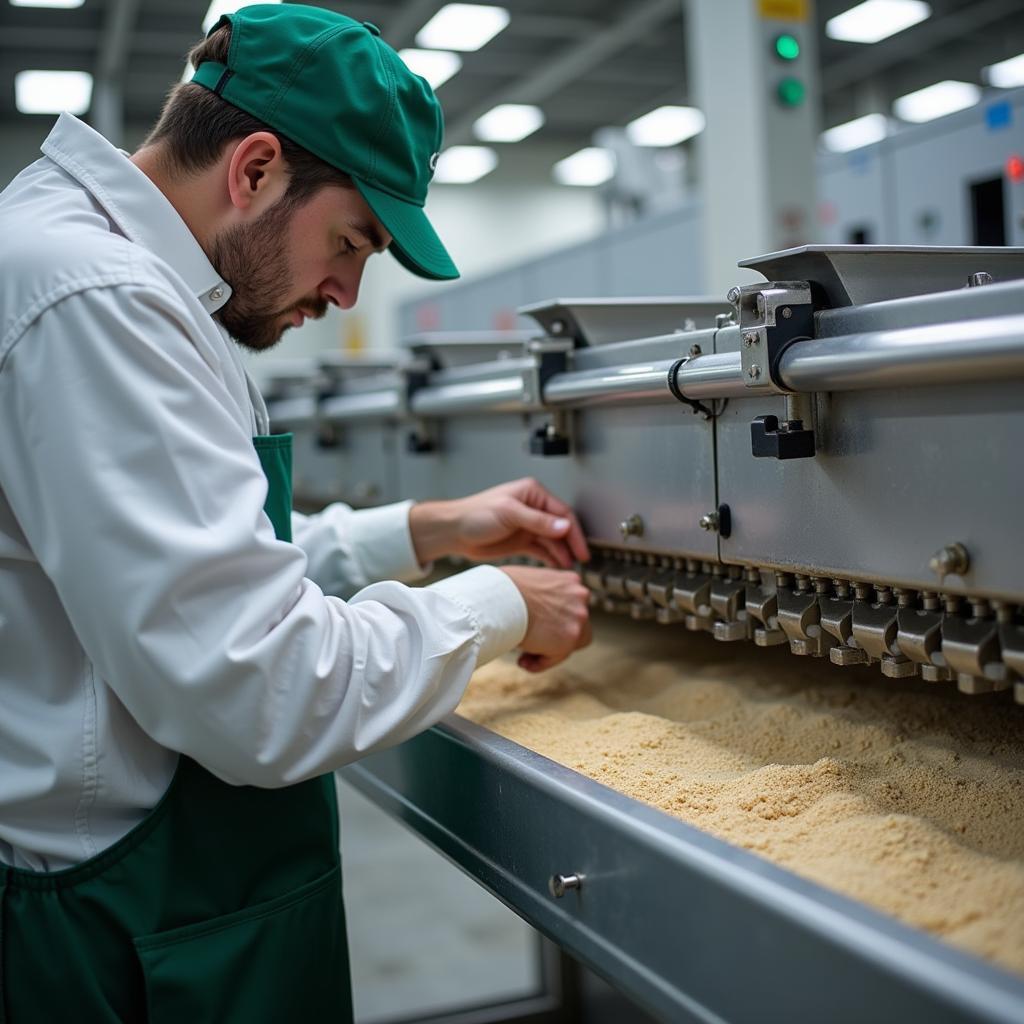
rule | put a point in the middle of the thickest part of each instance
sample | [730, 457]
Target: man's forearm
[433, 526]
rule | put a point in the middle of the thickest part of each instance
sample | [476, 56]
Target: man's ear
[257, 177]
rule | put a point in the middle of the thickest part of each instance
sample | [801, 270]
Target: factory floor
[426, 941]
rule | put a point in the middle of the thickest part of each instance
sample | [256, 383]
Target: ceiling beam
[875, 59]
[572, 63]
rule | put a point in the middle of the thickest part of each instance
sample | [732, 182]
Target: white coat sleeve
[347, 549]
[141, 496]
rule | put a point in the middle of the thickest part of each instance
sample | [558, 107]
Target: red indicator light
[1015, 168]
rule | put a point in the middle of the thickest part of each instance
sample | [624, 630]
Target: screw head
[709, 521]
[695, 350]
[754, 371]
[786, 312]
[751, 338]
[733, 295]
[558, 327]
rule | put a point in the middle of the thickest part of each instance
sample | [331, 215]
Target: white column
[756, 155]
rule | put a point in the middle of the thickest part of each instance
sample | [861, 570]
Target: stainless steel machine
[829, 461]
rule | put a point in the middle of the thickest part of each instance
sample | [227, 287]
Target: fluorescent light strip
[52, 92]
[436, 66]
[462, 165]
[218, 8]
[64, 4]
[937, 100]
[875, 20]
[862, 131]
[1007, 74]
[508, 122]
[462, 27]
[666, 126]
[590, 166]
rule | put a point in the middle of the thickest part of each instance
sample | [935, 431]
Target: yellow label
[783, 10]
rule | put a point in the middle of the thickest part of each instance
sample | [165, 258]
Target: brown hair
[196, 124]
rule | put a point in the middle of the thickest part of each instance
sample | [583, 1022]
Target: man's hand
[557, 604]
[517, 518]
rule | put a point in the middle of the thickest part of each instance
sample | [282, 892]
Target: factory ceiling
[587, 63]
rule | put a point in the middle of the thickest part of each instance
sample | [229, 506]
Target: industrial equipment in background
[826, 461]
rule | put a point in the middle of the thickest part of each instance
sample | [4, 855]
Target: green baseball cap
[333, 86]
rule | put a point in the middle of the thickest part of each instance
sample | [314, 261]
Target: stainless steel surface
[716, 375]
[949, 353]
[446, 349]
[850, 275]
[642, 382]
[501, 394]
[670, 914]
[370, 405]
[600, 321]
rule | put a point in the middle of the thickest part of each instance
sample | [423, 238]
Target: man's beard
[250, 258]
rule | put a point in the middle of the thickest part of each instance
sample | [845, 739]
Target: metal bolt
[980, 278]
[559, 885]
[760, 303]
[733, 295]
[751, 338]
[754, 371]
[695, 350]
[786, 312]
[952, 560]
[632, 526]
[558, 327]
[709, 521]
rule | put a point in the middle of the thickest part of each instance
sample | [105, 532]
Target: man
[176, 689]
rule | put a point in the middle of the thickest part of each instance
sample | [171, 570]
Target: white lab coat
[146, 607]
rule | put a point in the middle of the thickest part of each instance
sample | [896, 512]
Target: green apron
[224, 904]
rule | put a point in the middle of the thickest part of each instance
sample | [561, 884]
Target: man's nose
[343, 291]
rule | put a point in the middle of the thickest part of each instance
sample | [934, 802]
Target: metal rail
[372, 405]
[502, 394]
[689, 926]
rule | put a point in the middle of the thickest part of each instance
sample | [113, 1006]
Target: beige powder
[907, 796]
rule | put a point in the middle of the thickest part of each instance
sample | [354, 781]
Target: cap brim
[414, 242]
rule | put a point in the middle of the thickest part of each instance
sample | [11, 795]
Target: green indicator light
[792, 92]
[787, 47]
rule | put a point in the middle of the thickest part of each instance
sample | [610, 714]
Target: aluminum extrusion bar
[689, 926]
[950, 353]
[502, 394]
[371, 405]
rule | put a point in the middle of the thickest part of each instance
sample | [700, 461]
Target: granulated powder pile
[907, 796]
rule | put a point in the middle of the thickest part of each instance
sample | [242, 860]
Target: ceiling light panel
[461, 165]
[218, 8]
[874, 20]
[66, 4]
[1007, 74]
[436, 66]
[509, 122]
[666, 126]
[52, 92]
[862, 131]
[937, 100]
[590, 166]
[462, 27]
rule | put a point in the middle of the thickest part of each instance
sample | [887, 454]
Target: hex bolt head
[952, 560]
[754, 371]
[751, 338]
[632, 526]
[709, 521]
[733, 295]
